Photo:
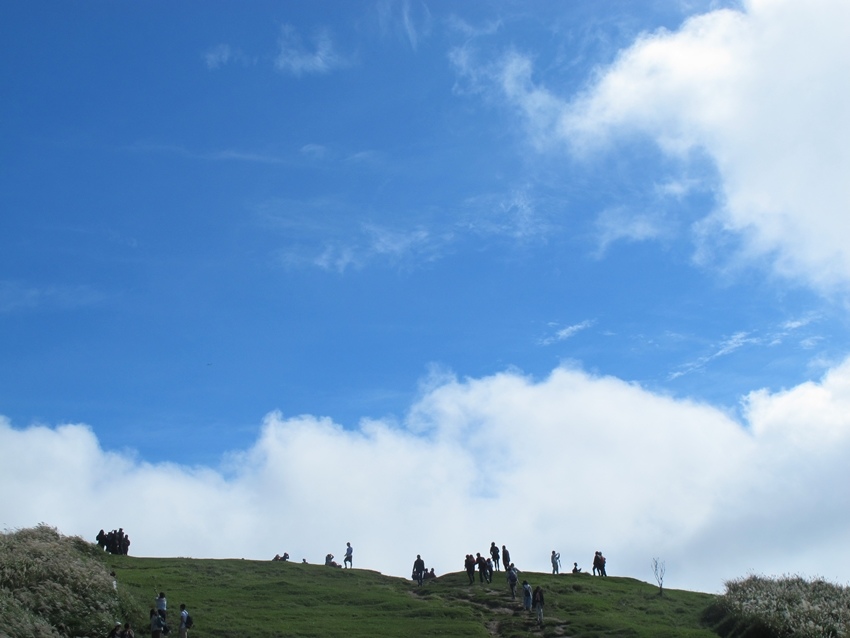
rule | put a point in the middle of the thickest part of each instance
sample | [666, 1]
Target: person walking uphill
[537, 601]
[512, 581]
[526, 595]
[157, 624]
[469, 564]
[161, 605]
[185, 621]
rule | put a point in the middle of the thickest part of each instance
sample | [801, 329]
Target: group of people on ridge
[348, 561]
[115, 542]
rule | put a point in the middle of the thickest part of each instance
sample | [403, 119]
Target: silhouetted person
[469, 564]
[418, 569]
[494, 554]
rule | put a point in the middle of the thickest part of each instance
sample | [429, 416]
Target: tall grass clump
[54, 586]
[785, 607]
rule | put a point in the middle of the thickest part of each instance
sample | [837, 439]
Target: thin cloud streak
[567, 332]
[297, 59]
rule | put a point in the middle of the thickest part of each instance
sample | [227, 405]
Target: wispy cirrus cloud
[17, 296]
[566, 332]
[317, 56]
[409, 21]
[621, 224]
[227, 155]
[769, 338]
[224, 54]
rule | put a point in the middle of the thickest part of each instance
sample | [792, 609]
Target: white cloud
[620, 224]
[224, 54]
[761, 91]
[412, 22]
[565, 333]
[573, 462]
[297, 59]
[16, 296]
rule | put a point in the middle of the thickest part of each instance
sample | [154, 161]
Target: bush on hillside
[784, 607]
[54, 586]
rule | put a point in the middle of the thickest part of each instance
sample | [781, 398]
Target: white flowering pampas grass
[54, 586]
[790, 606]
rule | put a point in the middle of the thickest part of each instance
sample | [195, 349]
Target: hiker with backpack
[158, 626]
[469, 564]
[599, 564]
[186, 622]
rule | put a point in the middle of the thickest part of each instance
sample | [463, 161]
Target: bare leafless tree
[659, 568]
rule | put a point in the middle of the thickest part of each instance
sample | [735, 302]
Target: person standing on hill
[160, 603]
[506, 557]
[599, 564]
[513, 578]
[419, 570]
[537, 601]
[185, 623]
[556, 561]
[482, 568]
[494, 554]
[157, 624]
[348, 561]
[469, 564]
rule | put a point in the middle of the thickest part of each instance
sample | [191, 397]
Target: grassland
[269, 599]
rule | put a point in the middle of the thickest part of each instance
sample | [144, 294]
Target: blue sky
[219, 221]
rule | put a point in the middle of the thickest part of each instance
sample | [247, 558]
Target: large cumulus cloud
[761, 92]
[572, 462]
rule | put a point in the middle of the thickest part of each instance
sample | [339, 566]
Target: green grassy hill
[269, 599]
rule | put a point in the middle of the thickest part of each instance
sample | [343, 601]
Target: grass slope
[268, 599]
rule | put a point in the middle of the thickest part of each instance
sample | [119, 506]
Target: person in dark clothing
[537, 601]
[469, 564]
[418, 569]
[483, 573]
[599, 564]
[506, 557]
[494, 554]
